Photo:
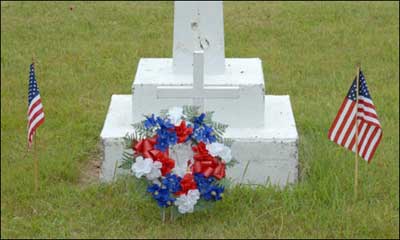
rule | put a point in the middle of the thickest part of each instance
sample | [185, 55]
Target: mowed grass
[84, 55]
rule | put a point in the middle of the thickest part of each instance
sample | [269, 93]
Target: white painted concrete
[269, 151]
[242, 76]
[197, 92]
[198, 26]
[116, 126]
[263, 126]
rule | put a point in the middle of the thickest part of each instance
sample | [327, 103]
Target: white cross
[198, 25]
[198, 92]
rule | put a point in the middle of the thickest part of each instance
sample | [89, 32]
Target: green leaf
[208, 118]
[232, 163]
[191, 112]
[127, 160]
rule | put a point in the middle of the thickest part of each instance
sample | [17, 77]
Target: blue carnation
[208, 189]
[199, 120]
[172, 182]
[165, 134]
[165, 138]
[150, 122]
[172, 138]
[161, 144]
[161, 194]
[164, 123]
[204, 133]
[151, 189]
[214, 193]
[209, 134]
[198, 134]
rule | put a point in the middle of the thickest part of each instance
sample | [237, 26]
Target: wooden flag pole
[36, 162]
[356, 155]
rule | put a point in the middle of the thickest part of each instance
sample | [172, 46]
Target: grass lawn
[88, 52]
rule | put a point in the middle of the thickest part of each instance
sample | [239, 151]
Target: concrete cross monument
[262, 126]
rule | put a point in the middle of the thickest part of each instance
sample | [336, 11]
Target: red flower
[187, 183]
[200, 148]
[219, 171]
[145, 146]
[167, 163]
[206, 164]
[183, 132]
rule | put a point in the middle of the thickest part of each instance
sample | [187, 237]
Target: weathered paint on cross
[198, 25]
[198, 92]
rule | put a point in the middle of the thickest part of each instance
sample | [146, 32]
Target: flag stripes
[35, 107]
[343, 129]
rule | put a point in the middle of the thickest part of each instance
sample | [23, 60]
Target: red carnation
[167, 163]
[200, 148]
[219, 171]
[183, 132]
[187, 183]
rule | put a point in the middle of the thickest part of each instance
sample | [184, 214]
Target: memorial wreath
[183, 156]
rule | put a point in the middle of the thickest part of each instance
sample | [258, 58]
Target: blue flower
[172, 182]
[164, 123]
[198, 134]
[150, 122]
[161, 144]
[214, 193]
[202, 182]
[165, 200]
[161, 195]
[199, 120]
[165, 138]
[162, 133]
[204, 133]
[209, 134]
[165, 134]
[172, 138]
[208, 189]
[153, 188]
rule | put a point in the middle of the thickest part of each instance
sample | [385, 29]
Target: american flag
[369, 130]
[35, 107]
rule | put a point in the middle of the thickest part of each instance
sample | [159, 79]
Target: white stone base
[243, 74]
[265, 155]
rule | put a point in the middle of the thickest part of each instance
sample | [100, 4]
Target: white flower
[142, 166]
[175, 115]
[155, 171]
[219, 149]
[186, 202]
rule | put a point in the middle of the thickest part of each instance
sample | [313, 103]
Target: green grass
[83, 56]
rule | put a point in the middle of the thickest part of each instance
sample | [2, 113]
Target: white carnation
[142, 166]
[219, 149]
[186, 202]
[155, 171]
[175, 115]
